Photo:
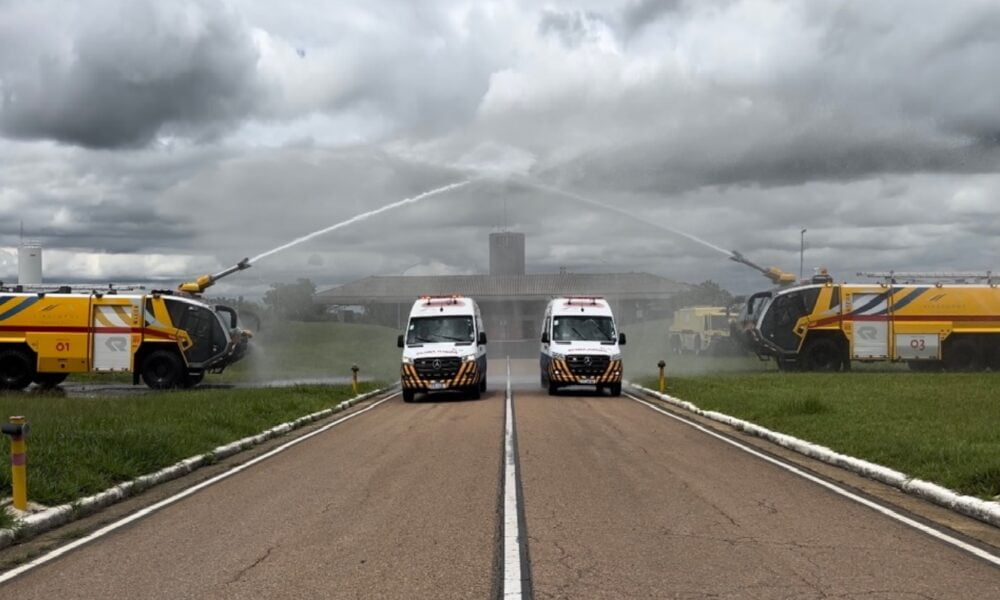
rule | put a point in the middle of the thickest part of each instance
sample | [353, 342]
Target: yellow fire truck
[824, 326]
[169, 339]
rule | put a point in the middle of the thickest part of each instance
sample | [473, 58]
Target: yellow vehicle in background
[701, 330]
[825, 326]
[168, 339]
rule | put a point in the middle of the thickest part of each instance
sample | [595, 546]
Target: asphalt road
[620, 502]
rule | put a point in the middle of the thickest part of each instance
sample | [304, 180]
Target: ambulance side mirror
[482, 338]
[621, 339]
[399, 341]
[545, 337]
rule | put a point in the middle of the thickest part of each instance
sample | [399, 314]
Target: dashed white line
[54, 554]
[944, 537]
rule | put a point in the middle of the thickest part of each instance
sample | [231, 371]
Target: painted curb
[983, 510]
[50, 518]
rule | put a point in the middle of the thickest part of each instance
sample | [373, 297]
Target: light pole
[802, 251]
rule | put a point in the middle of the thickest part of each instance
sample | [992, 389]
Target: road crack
[247, 569]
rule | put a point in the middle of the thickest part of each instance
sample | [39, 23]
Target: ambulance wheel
[16, 369]
[474, 393]
[553, 388]
[162, 369]
[482, 384]
[822, 354]
[49, 380]
[616, 389]
[409, 395]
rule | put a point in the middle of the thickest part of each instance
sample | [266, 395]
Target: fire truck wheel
[409, 395]
[162, 369]
[192, 378]
[822, 354]
[16, 369]
[962, 354]
[49, 380]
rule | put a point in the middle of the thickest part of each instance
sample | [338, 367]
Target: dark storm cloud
[642, 12]
[875, 125]
[127, 71]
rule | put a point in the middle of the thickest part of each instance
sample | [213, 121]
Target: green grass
[80, 446]
[322, 349]
[941, 427]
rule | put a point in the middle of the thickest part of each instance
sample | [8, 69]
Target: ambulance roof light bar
[442, 299]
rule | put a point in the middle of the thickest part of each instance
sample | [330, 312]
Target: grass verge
[81, 446]
[940, 427]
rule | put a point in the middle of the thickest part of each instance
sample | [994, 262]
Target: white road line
[944, 537]
[513, 581]
[50, 556]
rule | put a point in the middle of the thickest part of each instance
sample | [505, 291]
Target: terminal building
[512, 301]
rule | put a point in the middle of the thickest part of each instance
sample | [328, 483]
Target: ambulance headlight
[407, 360]
[616, 356]
[557, 356]
[469, 358]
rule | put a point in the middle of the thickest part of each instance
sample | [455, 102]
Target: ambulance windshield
[435, 330]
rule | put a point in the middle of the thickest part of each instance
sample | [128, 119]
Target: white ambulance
[444, 347]
[581, 345]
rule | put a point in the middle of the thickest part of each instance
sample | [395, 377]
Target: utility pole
[802, 252]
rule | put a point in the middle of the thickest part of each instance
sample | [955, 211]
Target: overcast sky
[145, 139]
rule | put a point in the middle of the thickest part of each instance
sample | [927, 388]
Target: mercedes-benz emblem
[586, 360]
[437, 364]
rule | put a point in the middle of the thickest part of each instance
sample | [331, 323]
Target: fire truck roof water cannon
[199, 285]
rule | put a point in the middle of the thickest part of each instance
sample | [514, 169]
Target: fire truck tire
[616, 389]
[192, 378]
[962, 354]
[16, 369]
[409, 395]
[49, 380]
[993, 359]
[162, 369]
[925, 366]
[822, 354]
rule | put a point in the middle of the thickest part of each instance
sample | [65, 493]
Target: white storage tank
[29, 263]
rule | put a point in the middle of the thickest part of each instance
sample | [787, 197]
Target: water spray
[362, 217]
[592, 202]
[775, 274]
[199, 285]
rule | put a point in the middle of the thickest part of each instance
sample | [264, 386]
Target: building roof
[405, 288]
